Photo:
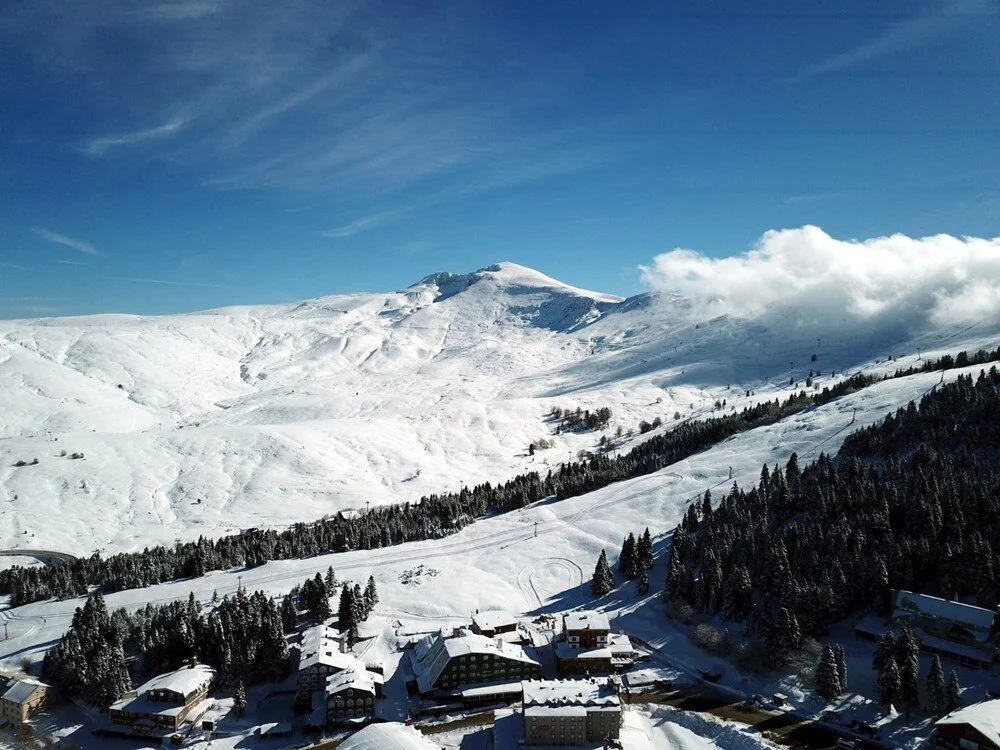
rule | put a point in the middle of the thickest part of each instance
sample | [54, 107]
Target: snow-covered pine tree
[358, 603]
[827, 679]
[642, 582]
[885, 652]
[289, 616]
[888, 683]
[330, 581]
[907, 660]
[602, 582]
[841, 657]
[672, 585]
[936, 687]
[371, 596]
[627, 558]
[952, 693]
[345, 613]
[783, 637]
[644, 551]
[240, 699]
[706, 505]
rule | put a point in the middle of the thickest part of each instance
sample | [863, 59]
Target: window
[967, 744]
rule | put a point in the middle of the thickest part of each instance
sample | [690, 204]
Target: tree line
[432, 517]
[912, 502]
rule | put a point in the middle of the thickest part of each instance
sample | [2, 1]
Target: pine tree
[644, 551]
[827, 679]
[602, 582]
[672, 586]
[642, 582]
[330, 581]
[783, 637]
[907, 660]
[952, 694]
[888, 683]
[936, 687]
[841, 657]
[885, 651]
[345, 613]
[627, 558]
[289, 617]
[240, 699]
[706, 505]
[358, 613]
[215, 596]
[371, 596]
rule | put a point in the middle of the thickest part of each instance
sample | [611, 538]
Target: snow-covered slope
[255, 416]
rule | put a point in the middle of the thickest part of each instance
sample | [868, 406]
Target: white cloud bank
[940, 280]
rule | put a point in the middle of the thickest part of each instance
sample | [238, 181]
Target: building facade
[164, 703]
[586, 630]
[493, 623]
[21, 699]
[570, 712]
[350, 696]
[447, 662]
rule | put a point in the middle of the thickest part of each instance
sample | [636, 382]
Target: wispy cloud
[349, 99]
[168, 282]
[940, 20]
[65, 241]
[100, 146]
[812, 197]
[12, 266]
[71, 262]
[365, 223]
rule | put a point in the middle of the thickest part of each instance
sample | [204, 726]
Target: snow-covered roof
[445, 648]
[967, 614]
[554, 693]
[318, 635]
[329, 655]
[359, 679]
[586, 621]
[492, 688]
[385, 736]
[21, 690]
[983, 717]
[493, 620]
[184, 681]
[565, 651]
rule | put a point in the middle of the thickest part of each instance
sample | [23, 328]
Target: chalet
[586, 630]
[493, 623]
[21, 699]
[975, 727]
[588, 646]
[351, 695]
[163, 704]
[570, 712]
[444, 662]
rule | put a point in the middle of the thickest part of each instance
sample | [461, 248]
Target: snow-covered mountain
[262, 416]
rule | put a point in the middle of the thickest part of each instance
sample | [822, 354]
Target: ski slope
[206, 423]
[501, 562]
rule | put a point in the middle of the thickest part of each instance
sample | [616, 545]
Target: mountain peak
[511, 275]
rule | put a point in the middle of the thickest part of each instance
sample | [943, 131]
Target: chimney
[498, 642]
[193, 662]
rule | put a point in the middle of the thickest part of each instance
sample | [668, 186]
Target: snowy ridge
[205, 423]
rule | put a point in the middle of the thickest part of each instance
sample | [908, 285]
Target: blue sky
[178, 155]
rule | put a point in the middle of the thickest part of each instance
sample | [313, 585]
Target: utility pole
[239, 584]
[6, 634]
[536, 528]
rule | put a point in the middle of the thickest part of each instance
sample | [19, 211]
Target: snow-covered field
[205, 423]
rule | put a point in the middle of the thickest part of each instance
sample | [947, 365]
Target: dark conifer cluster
[912, 502]
[241, 637]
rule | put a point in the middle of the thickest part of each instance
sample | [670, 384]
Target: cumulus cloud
[940, 279]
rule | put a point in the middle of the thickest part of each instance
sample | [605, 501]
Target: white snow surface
[205, 423]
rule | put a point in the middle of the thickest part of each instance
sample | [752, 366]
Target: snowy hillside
[262, 416]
